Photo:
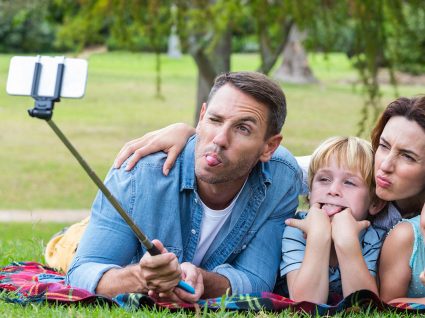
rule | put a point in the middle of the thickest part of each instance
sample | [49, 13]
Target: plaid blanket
[28, 282]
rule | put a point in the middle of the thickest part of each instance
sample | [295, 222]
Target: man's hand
[192, 275]
[161, 272]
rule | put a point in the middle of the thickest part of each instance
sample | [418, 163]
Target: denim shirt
[246, 250]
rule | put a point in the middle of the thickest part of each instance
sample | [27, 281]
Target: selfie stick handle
[44, 109]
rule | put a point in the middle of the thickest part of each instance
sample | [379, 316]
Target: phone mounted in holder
[43, 107]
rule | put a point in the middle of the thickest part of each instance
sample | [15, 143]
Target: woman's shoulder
[401, 235]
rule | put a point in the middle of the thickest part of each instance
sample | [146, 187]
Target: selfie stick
[43, 109]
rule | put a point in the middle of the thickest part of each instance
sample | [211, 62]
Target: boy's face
[336, 188]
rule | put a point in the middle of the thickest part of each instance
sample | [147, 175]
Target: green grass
[20, 242]
[120, 104]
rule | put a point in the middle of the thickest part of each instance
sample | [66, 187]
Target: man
[220, 212]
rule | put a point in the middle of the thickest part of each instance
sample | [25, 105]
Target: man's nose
[222, 137]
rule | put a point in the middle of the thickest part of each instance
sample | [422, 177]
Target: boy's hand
[316, 221]
[345, 227]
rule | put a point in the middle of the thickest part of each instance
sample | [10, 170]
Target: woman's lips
[383, 182]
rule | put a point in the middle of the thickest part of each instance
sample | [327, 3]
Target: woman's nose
[387, 163]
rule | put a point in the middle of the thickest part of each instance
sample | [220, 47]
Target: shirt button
[193, 231]
[244, 247]
[196, 200]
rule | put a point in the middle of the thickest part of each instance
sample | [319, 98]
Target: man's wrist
[119, 280]
[215, 284]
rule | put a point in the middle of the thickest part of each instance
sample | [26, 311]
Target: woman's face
[400, 162]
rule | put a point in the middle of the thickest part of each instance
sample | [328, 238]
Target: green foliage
[24, 26]
[406, 40]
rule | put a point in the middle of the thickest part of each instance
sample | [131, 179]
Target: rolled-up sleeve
[108, 241]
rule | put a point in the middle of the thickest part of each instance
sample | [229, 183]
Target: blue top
[246, 250]
[417, 260]
[293, 248]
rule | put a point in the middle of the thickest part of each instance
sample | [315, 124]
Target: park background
[151, 62]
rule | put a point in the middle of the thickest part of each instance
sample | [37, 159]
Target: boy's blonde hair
[352, 153]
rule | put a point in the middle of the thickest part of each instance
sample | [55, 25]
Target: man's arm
[109, 245]
[215, 285]
[159, 273]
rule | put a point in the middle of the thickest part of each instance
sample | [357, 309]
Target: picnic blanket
[29, 282]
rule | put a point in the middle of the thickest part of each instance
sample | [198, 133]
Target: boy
[332, 250]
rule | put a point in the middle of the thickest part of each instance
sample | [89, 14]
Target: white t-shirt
[212, 222]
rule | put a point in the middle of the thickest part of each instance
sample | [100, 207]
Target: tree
[372, 32]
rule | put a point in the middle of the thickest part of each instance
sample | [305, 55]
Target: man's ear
[202, 114]
[376, 206]
[270, 146]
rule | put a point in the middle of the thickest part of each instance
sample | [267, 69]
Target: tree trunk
[295, 68]
[209, 66]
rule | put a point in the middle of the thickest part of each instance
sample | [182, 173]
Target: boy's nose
[335, 189]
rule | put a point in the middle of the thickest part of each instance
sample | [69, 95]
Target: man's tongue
[331, 209]
[212, 160]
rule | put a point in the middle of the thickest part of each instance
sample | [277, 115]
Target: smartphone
[21, 73]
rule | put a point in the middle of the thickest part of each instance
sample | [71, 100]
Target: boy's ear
[376, 206]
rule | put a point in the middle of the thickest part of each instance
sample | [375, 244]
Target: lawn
[37, 172]
[120, 104]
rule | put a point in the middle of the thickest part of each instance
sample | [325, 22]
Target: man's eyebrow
[240, 120]
[248, 118]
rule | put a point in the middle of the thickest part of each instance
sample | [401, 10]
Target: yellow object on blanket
[62, 246]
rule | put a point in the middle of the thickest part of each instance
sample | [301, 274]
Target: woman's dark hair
[412, 109]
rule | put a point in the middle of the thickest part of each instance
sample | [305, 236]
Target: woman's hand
[170, 139]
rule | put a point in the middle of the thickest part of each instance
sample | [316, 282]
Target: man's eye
[244, 129]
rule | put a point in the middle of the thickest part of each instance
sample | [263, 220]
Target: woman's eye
[382, 145]
[408, 157]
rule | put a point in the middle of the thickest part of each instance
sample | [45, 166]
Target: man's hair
[352, 153]
[410, 108]
[262, 89]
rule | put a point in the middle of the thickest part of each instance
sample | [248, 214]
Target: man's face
[231, 137]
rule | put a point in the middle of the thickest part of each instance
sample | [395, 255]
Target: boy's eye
[324, 179]
[350, 182]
